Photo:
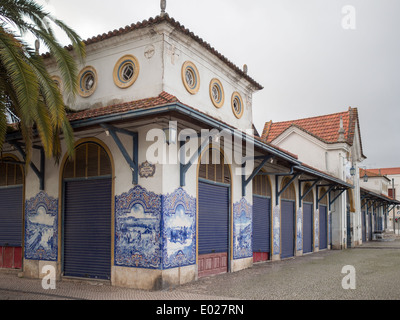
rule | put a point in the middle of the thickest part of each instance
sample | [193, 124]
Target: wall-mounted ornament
[147, 170]
[149, 52]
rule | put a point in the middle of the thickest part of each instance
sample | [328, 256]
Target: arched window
[324, 201]
[290, 192]
[261, 186]
[90, 160]
[214, 168]
[310, 196]
[10, 173]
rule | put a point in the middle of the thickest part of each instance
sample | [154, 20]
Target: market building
[331, 143]
[386, 182]
[168, 182]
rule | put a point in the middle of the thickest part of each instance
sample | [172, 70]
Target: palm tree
[28, 94]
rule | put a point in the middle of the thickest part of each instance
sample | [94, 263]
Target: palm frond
[21, 75]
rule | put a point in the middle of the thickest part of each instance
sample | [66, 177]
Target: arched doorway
[308, 220]
[11, 212]
[214, 211]
[87, 212]
[323, 221]
[261, 218]
[288, 216]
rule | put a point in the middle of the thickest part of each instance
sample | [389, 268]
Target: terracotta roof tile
[163, 98]
[385, 171]
[325, 128]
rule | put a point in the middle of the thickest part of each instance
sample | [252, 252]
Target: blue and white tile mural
[276, 221]
[316, 228]
[179, 229]
[41, 228]
[137, 229]
[242, 230]
[299, 227]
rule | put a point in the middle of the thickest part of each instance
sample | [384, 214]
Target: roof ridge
[314, 117]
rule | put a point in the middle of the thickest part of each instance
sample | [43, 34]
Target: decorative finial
[245, 69]
[163, 5]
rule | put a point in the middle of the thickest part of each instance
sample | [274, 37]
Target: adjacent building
[331, 143]
[392, 188]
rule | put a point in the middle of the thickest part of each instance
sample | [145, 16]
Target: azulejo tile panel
[276, 227]
[41, 228]
[179, 229]
[137, 229]
[242, 229]
[299, 232]
[316, 228]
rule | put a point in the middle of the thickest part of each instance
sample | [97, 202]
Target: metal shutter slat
[261, 224]
[363, 223]
[213, 218]
[87, 228]
[323, 227]
[287, 225]
[11, 216]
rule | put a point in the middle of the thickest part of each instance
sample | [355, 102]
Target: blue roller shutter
[213, 218]
[11, 216]
[261, 224]
[87, 228]
[364, 227]
[369, 226]
[307, 227]
[323, 227]
[287, 228]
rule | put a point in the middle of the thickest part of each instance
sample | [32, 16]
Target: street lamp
[353, 171]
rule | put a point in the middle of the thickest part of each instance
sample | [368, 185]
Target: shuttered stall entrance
[213, 215]
[11, 212]
[323, 221]
[288, 203]
[261, 219]
[308, 220]
[370, 224]
[364, 226]
[87, 214]
[323, 227]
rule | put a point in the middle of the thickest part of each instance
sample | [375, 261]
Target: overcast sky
[298, 50]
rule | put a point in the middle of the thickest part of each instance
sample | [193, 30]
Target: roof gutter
[324, 176]
[185, 110]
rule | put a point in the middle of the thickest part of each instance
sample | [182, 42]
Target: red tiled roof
[385, 171]
[372, 173]
[325, 128]
[177, 26]
[163, 98]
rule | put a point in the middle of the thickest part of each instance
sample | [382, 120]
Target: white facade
[336, 159]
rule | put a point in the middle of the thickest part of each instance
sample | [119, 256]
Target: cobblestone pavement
[315, 276]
